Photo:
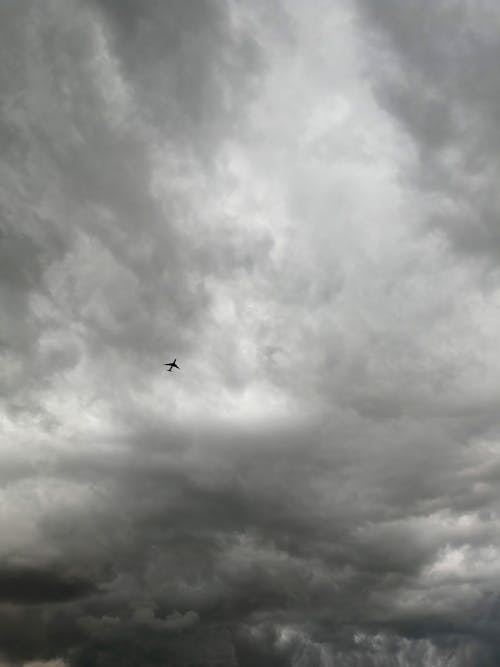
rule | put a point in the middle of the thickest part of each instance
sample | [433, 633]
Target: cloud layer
[298, 201]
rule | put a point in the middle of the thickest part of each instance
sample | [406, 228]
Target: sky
[299, 201]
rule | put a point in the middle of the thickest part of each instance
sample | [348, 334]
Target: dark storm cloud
[25, 585]
[214, 180]
[241, 541]
[244, 540]
[192, 68]
[436, 69]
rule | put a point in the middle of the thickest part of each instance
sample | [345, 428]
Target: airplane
[172, 364]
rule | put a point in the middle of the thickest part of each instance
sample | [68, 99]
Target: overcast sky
[299, 201]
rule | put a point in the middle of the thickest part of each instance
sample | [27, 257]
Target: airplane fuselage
[171, 365]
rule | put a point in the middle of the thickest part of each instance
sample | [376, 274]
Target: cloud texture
[298, 201]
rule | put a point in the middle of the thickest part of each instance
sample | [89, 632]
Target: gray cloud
[29, 585]
[255, 189]
[438, 77]
[192, 68]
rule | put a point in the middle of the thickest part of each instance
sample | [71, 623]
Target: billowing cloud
[296, 200]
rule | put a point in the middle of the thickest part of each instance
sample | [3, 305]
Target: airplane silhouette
[172, 364]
